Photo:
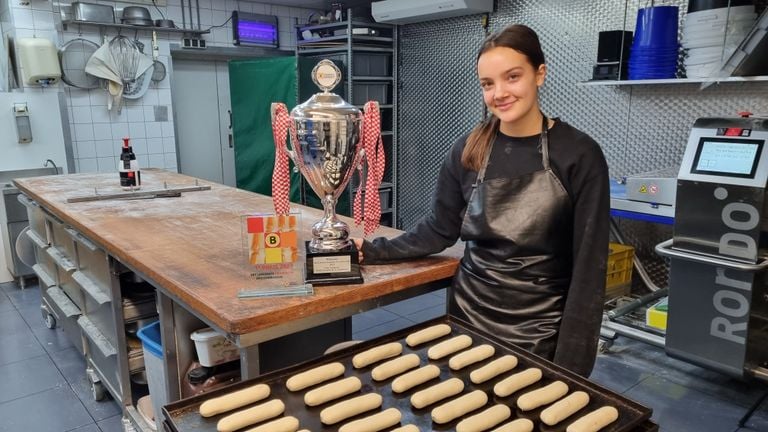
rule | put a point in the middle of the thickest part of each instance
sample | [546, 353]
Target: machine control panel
[727, 151]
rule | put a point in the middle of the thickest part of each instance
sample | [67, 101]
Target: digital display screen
[728, 157]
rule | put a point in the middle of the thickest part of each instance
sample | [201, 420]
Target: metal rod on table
[634, 333]
[637, 303]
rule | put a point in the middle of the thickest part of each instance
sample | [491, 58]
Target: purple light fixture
[254, 29]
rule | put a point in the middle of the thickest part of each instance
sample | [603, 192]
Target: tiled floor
[43, 387]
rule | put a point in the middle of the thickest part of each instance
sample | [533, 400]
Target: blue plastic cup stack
[655, 49]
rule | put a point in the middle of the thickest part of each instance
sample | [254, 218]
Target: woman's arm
[580, 328]
[440, 229]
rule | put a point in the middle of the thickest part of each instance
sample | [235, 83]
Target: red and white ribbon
[368, 211]
[281, 178]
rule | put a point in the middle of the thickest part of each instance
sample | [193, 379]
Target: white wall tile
[43, 5]
[86, 149]
[105, 148]
[120, 131]
[81, 114]
[107, 164]
[79, 97]
[154, 129]
[84, 132]
[205, 18]
[139, 146]
[102, 131]
[149, 113]
[134, 114]
[164, 96]
[170, 160]
[150, 97]
[167, 129]
[169, 145]
[22, 19]
[99, 114]
[43, 19]
[142, 159]
[156, 161]
[154, 145]
[137, 130]
[87, 165]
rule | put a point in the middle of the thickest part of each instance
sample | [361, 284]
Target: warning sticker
[643, 189]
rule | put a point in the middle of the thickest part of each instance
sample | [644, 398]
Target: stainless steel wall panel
[439, 101]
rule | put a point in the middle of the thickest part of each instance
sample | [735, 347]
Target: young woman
[529, 197]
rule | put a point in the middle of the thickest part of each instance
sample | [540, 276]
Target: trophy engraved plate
[325, 136]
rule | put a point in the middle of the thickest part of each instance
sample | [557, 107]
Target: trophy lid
[325, 105]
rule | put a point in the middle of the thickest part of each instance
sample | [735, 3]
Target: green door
[254, 85]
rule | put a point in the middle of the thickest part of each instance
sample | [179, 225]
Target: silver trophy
[325, 134]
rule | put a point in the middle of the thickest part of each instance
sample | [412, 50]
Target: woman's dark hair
[523, 40]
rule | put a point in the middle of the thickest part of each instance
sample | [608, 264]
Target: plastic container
[154, 367]
[656, 315]
[213, 348]
[619, 268]
[656, 27]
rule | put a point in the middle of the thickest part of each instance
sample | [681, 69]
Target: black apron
[516, 269]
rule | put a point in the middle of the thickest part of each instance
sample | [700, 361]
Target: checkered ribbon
[368, 210]
[281, 178]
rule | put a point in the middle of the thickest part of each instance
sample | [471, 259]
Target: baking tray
[182, 416]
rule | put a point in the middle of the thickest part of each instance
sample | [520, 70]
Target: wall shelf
[342, 24]
[673, 81]
[66, 23]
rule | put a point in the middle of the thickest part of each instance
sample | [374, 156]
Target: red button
[733, 132]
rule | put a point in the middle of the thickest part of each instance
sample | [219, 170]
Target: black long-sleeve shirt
[579, 164]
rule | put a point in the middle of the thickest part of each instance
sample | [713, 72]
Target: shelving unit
[66, 23]
[87, 293]
[673, 81]
[368, 64]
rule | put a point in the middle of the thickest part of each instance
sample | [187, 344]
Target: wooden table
[189, 248]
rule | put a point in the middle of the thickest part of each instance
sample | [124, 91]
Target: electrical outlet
[193, 43]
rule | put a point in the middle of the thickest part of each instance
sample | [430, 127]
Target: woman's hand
[359, 245]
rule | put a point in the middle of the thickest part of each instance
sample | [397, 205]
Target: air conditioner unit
[412, 11]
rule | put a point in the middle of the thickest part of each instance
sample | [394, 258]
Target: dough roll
[376, 354]
[449, 347]
[519, 425]
[471, 356]
[543, 396]
[459, 406]
[249, 416]
[515, 382]
[285, 424]
[350, 407]
[564, 408]
[332, 391]
[234, 400]
[411, 379]
[395, 367]
[427, 334]
[493, 369]
[406, 428]
[374, 423]
[485, 420]
[437, 392]
[314, 376]
[595, 420]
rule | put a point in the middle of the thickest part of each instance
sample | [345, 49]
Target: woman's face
[509, 82]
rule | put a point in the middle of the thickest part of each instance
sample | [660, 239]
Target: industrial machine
[718, 286]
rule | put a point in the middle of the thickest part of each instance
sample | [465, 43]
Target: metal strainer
[73, 56]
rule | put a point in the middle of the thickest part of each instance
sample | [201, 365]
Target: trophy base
[333, 268]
